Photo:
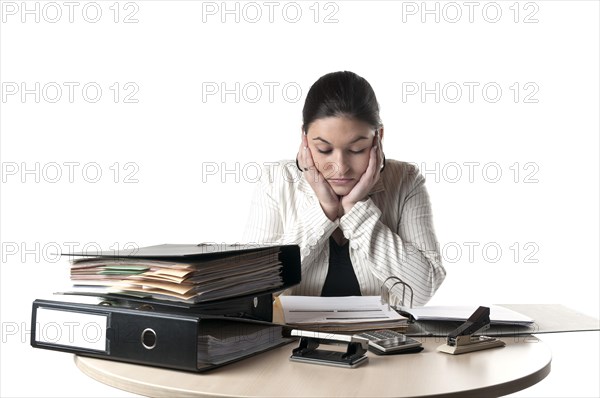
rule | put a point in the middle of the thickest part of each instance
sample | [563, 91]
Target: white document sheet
[350, 309]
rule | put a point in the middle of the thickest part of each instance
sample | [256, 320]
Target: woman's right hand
[329, 200]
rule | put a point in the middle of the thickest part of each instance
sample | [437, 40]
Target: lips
[340, 181]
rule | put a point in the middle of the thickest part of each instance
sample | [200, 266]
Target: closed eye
[325, 152]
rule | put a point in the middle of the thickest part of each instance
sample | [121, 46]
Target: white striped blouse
[390, 234]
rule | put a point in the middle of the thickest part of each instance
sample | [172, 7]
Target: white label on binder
[71, 328]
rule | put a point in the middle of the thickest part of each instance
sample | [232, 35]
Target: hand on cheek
[369, 178]
[328, 199]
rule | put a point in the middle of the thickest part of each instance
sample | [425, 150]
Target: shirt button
[305, 251]
[354, 245]
[312, 241]
[321, 232]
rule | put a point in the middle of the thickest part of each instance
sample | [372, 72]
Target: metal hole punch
[308, 350]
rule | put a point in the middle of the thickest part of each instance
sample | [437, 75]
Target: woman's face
[341, 149]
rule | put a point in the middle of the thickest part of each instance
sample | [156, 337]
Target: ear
[381, 133]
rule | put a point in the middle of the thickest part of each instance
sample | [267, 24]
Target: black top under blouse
[341, 279]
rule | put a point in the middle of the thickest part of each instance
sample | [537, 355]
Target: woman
[357, 217]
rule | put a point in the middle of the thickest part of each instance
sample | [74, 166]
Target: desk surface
[498, 371]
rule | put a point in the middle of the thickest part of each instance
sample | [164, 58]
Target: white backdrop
[145, 122]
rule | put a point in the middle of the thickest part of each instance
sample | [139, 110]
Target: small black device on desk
[385, 342]
[309, 351]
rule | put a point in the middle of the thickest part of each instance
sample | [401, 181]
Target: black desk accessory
[308, 349]
[462, 340]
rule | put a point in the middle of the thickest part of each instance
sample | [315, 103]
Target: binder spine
[151, 338]
[291, 272]
[154, 339]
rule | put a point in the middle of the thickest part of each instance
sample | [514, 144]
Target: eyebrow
[362, 137]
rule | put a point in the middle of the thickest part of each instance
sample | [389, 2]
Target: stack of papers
[223, 341]
[183, 280]
[341, 314]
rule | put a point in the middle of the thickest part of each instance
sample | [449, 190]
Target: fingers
[303, 160]
[379, 150]
[374, 164]
[307, 163]
[308, 160]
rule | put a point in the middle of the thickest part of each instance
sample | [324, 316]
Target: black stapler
[462, 340]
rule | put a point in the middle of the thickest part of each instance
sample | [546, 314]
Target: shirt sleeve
[408, 250]
[280, 214]
[264, 224]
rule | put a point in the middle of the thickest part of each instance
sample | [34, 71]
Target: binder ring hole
[149, 339]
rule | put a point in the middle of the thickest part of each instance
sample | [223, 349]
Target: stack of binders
[188, 307]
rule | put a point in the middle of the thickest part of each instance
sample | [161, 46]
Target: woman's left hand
[367, 180]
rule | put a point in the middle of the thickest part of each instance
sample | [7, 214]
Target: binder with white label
[176, 340]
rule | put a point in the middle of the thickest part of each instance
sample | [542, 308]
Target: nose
[341, 163]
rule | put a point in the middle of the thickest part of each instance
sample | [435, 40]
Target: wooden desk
[499, 371]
